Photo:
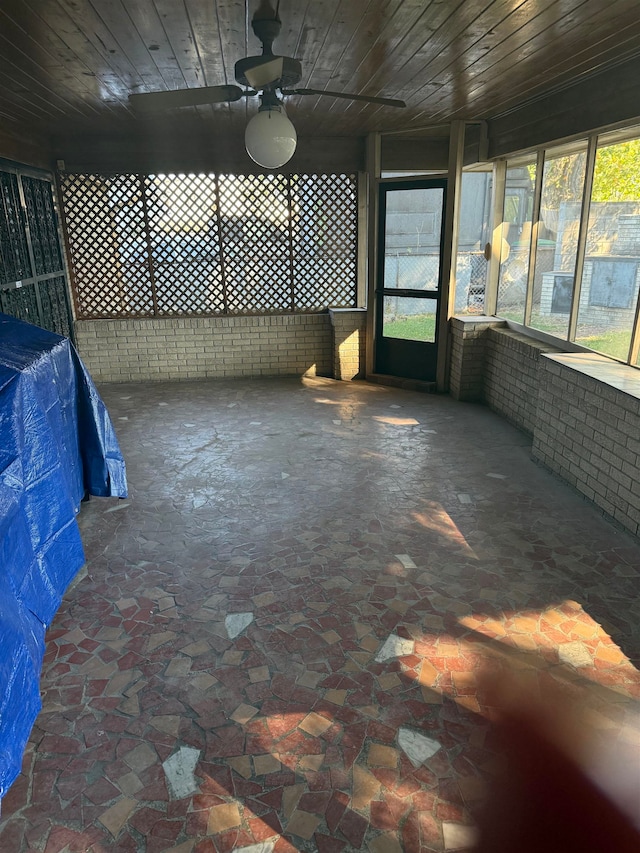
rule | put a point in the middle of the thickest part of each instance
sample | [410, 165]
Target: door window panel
[412, 238]
[410, 319]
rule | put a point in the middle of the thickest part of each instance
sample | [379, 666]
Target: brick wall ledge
[621, 377]
[523, 342]
[463, 321]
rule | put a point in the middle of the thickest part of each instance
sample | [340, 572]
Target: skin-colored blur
[571, 766]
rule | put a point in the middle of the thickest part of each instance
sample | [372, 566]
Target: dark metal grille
[22, 303]
[44, 304]
[14, 252]
[32, 276]
[42, 225]
[55, 310]
[159, 245]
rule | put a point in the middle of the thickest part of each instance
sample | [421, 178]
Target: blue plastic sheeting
[56, 444]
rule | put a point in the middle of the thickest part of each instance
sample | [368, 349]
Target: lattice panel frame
[108, 245]
[325, 248]
[254, 214]
[162, 245]
[185, 243]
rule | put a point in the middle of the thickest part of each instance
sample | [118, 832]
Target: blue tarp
[56, 444]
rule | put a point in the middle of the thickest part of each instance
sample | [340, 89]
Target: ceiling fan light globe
[270, 138]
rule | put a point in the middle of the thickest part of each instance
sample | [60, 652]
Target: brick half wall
[588, 430]
[206, 347]
[581, 409]
[511, 377]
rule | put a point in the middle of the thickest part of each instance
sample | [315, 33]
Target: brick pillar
[348, 329]
[467, 355]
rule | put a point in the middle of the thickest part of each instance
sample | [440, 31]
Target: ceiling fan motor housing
[291, 70]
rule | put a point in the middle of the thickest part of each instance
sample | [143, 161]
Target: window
[516, 238]
[611, 273]
[557, 238]
[585, 283]
[474, 232]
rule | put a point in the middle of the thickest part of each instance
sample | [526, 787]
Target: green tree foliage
[616, 176]
[617, 172]
[563, 179]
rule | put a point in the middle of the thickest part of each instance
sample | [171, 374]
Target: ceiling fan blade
[388, 102]
[156, 101]
[262, 75]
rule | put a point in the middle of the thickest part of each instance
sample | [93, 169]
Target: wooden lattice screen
[161, 245]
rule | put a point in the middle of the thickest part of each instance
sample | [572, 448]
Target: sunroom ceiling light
[270, 138]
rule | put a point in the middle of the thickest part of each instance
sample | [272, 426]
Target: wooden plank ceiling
[68, 66]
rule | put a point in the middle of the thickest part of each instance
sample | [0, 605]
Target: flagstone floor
[277, 643]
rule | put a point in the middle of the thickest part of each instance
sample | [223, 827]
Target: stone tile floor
[277, 644]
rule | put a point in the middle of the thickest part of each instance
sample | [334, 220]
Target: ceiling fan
[270, 137]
